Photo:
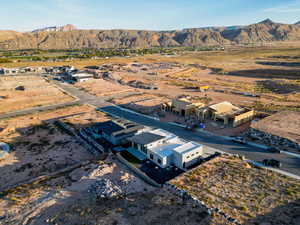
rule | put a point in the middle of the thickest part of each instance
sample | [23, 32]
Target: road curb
[273, 169]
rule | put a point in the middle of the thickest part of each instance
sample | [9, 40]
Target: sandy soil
[173, 81]
[38, 150]
[64, 200]
[85, 119]
[141, 102]
[37, 92]
[101, 87]
[251, 195]
[39, 147]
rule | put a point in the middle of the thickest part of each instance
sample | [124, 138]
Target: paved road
[37, 109]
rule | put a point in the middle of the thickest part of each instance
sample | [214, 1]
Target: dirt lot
[69, 199]
[141, 102]
[101, 87]
[39, 147]
[37, 92]
[216, 70]
[251, 195]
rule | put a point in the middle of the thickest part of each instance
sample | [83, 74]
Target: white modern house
[10, 71]
[81, 77]
[166, 149]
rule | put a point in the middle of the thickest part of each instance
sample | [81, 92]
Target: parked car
[190, 127]
[272, 162]
[274, 149]
[239, 140]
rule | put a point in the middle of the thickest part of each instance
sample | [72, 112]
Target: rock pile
[105, 189]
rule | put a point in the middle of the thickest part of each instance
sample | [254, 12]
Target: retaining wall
[70, 130]
[188, 197]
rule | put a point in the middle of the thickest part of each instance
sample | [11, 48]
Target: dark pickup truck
[273, 149]
[272, 162]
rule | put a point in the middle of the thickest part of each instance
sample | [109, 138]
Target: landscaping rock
[105, 189]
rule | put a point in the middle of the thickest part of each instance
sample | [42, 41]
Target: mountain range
[69, 37]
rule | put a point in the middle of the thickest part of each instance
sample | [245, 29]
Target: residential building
[226, 112]
[182, 106]
[166, 149]
[81, 77]
[115, 131]
[10, 71]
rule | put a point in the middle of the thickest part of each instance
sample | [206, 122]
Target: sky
[27, 15]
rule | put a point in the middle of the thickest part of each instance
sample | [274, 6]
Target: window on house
[159, 161]
[144, 149]
[151, 156]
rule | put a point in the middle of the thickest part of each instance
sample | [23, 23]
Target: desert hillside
[71, 38]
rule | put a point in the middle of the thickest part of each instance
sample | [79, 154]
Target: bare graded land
[141, 102]
[37, 92]
[102, 87]
[272, 76]
[250, 195]
[285, 124]
[39, 147]
[70, 199]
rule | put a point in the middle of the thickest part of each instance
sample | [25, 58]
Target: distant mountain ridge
[67, 27]
[68, 37]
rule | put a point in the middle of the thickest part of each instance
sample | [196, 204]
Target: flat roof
[82, 75]
[189, 146]
[109, 127]
[146, 138]
[284, 124]
[163, 133]
[118, 127]
[164, 150]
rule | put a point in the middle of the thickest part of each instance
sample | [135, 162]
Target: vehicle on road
[190, 127]
[239, 140]
[273, 149]
[272, 162]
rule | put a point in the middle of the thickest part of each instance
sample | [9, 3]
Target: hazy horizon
[144, 15]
